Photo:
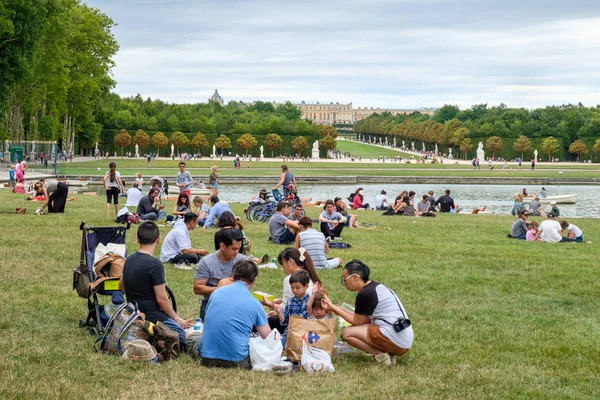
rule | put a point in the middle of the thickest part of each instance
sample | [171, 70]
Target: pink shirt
[531, 235]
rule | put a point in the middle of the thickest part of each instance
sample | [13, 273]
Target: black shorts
[114, 193]
[287, 237]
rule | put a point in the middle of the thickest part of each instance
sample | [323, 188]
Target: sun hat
[140, 350]
[553, 202]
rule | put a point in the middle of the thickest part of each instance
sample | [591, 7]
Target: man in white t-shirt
[177, 246]
[551, 231]
[134, 194]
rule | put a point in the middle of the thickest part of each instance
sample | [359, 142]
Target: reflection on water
[497, 198]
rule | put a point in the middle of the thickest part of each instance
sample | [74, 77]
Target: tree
[200, 142]
[579, 148]
[522, 145]
[466, 146]
[328, 143]
[273, 141]
[493, 144]
[329, 130]
[596, 148]
[159, 140]
[299, 144]
[141, 138]
[247, 141]
[122, 139]
[222, 142]
[550, 147]
[179, 139]
[459, 135]
[450, 127]
[447, 112]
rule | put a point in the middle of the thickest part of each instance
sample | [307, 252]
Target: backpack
[81, 274]
[124, 326]
[164, 339]
[108, 267]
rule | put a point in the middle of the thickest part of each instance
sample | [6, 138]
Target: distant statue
[450, 156]
[436, 149]
[403, 144]
[379, 139]
[137, 150]
[6, 145]
[480, 147]
[261, 151]
[535, 154]
[315, 150]
[394, 141]
[316, 145]
[96, 149]
[172, 149]
[214, 154]
[386, 141]
[33, 149]
[423, 148]
[480, 152]
[412, 146]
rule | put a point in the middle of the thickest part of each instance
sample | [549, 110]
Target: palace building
[216, 98]
[322, 113]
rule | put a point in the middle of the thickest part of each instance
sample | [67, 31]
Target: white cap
[553, 202]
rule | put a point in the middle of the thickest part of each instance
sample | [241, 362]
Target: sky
[388, 54]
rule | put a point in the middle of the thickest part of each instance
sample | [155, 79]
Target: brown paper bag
[318, 333]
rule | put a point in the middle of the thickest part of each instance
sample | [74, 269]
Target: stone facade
[216, 98]
[323, 113]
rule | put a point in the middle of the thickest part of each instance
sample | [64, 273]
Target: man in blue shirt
[231, 314]
[216, 210]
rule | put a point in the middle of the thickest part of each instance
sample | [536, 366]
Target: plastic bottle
[272, 264]
[198, 325]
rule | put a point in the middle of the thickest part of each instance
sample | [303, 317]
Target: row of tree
[554, 129]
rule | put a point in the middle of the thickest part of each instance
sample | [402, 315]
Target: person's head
[543, 189]
[12, 166]
[358, 191]
[226, 219]
[523, 213]
[113, 170]
[214, 168]
[411, 194]
[337, 201]
[447, 191]
[39, 188]
[298, 209]
[284, 207]
[329, 206]
[406, 199]
[262, 194]
[402, 194]
[525, 191]
[183, 199]
[564, 224]
[238, 223]
[182, 166]
[198, 201]
[355, 275]
[148, 233]
[230, 243]
[135, 185]
[317, 306]
[533, 225]
[152, 193]
[284, 168]
[551, 215]
[138, 175]
[431, 192]
[294, 259]
[305, 223]
[425, 198]
[214, 200]
[245, 271]
[553, 203]
[383, 192]
[536, 198]
[190, 219]
[299, 283]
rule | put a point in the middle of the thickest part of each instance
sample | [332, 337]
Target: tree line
[504, 131]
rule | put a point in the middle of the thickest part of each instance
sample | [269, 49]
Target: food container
[282, 368]
[261, 295]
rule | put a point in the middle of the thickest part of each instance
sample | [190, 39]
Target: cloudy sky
[389, 54]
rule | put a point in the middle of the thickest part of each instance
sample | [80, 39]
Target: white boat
[560, 199]
[76, 182]
[200, 192]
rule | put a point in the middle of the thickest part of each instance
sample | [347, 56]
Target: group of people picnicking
[407, 204]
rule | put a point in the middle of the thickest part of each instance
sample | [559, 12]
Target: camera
[401, 324]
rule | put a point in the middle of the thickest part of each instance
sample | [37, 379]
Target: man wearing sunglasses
[519, 227]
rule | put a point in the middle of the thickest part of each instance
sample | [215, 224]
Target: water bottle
[198, 325]
[273, 264]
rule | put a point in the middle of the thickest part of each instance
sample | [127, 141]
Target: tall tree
[550, 147]
[273, 141]
[446, 113]
[247, 141]
[222, 142]
[299, 144]
[466, 146]
[328, 143]
[493, 144]
[450, 127]
[141, 138]
[596, 148]
[578, 147]
[329, 130]
[159, 140]
[122, 139]
[200, 142]
[522, 144]
[179, 139]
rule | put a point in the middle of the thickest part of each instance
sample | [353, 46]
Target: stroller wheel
[82, 323]
[93, 331]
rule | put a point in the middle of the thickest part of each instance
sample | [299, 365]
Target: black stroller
[90, 239]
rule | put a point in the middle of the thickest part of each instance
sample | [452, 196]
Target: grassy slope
[357, 149]
[493, 318]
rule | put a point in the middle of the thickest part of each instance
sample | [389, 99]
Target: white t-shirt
[139, 181]
[114, 183]
[176, 241]
[551, 231]
[576, 231]
[287, 291]
[133, 196]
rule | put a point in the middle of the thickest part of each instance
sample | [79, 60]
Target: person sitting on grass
[551, 231]
[177, 246]
[533, 233]
[297, 305]
[182, 206]
[380, 325]
[315, 244]
[281, 229]
[143, 282]
[217, 208]
[342, 208]
[422, 208]
[149, 207]
[358, 201]
[332, 222]
[202, 210]
[231, 315]
[535, 207]
[315, 306]
[520, 226]
[445, 202]
[573, 231]
[297, 213]
[134, 195]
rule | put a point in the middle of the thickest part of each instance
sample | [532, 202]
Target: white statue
[379, 139]
[480, 152]
[403, 145]
[6, 145]
[137, 150]
[423, 149]
[450, 156]
[96, 149]
[412, 146]
[535, 154]
[33, 149]
[316, 145]
[172, 149]
[394, 141]
[315, 150]
[261, 151]
[386, 141]
[436, 149]
[214, 154]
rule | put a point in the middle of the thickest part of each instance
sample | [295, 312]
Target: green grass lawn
[493, 317]
[357, 149]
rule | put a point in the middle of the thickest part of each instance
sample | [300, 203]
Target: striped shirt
[314, 243]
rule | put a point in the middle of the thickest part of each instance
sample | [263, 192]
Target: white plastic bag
[264, 353]
[315, 361]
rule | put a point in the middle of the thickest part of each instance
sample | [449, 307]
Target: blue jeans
[153, 216]
[522, 237]
[172, 324]
[579, 238]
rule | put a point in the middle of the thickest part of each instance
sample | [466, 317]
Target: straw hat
[139, 350]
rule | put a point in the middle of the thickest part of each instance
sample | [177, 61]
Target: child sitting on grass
[533, 233]
[297, 305]
[315, 307]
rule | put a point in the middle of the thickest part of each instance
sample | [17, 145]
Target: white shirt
[133, 196]
[576, 231]
[551, 231]
[176, 241]
[381, 201]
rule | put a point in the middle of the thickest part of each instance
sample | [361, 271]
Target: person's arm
[160, 293]
[297, 242]
[309, 304]
[264, 331]
[201, 288]
[292, 224]
[46, 198]
[294, 181]
[280, 181]
[200, 252]
[121, 184]
[326, 248]
[281, 316]
[349, 316]
[343, 219]
[322, 218]
[104, 181]
[211, 217]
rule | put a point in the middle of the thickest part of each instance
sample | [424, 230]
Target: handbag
[124, 326]
[81, 274]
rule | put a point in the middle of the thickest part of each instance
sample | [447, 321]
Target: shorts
[114, 193]
[214, 185]
[286, 237]
[187, 192]
[379, 341]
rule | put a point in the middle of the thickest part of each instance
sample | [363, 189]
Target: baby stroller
[290, 193]
[107, 285]
[161, 184]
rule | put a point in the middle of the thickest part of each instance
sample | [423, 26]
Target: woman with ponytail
[113, 186]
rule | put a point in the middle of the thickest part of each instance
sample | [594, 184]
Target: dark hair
[229, 235]
[152, 190]
[317, 299]
[564, 224]
[358, 190]
[214, 199]
[291, 253]
[523, 211]
[262, 194]
[182, 196]
[298, 205]
[336, 199]
[359, 268]
[383, 192]
[406, 199]
[425, 197]
[245, 271]
[148, 232]
[113, 170]
[284, 168]
[226, 219]
[306, 222]
[301, 276]
[328, 202]
[181, 163]
[411, 193]
[283, 204]
[189, 217]
[447, 191]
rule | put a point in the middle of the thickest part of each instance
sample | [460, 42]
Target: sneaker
[182, 265]
[337, 238]
[264, 259]
[383, 358]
